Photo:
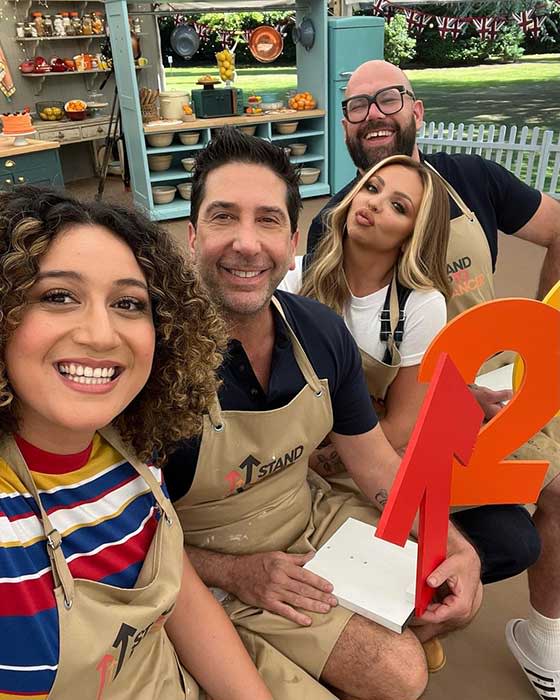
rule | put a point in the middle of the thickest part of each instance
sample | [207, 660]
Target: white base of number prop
[371, 577]
[497, 379]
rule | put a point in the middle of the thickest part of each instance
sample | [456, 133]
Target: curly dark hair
[233, 146]
[190, 335]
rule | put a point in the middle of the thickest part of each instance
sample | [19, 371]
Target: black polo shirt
[499, 199]
[334, 356]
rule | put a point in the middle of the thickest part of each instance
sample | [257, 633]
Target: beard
[364, 158]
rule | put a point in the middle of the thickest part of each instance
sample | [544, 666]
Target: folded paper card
[371, 577]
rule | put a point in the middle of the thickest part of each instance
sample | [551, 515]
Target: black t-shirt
[499, 199]
[334, 356]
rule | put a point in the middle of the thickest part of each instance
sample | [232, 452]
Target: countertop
[32, 146]
[243, 120]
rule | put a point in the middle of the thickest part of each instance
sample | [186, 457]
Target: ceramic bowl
[189, 138]
[248, 130]
[185, 189]
[286, 127]
[160, 140]
[160, 162]
[297, 149]
[163, 194]
[307, 176]
[188, 164]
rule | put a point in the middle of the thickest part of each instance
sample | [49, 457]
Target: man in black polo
[251, 513]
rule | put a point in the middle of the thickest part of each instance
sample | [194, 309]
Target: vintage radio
[217, 102]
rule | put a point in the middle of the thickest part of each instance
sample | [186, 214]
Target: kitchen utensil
[184, 40]
[297, 149]
[159, 140]
[188, 164]
[185, 189]
[171, 104]
[163, 194]
[286, 127]
[266, 44]
[158, 163]
[27, 66]
[304, 34]
[189, 138]
[308, 176]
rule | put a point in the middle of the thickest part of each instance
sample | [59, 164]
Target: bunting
[416, 20]
[450, 25]
[488, 27]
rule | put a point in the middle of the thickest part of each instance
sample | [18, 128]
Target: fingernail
[325, 608]
[333, 601]
[431, 581]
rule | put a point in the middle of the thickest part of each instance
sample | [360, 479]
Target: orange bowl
[76, 116]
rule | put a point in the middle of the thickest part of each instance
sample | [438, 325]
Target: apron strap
[392, 320]
[299, 353]
[215, 411]
[453, 192]
[61, 573]
[113, 437]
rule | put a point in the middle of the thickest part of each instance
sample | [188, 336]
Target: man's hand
[277, 582]
[459, 590]
[489, 400]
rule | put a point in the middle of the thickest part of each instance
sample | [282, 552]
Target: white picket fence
[533, 155]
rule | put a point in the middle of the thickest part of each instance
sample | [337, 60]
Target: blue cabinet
[39, 168]
[352, 41]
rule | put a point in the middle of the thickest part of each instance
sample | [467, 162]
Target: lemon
[229, 73]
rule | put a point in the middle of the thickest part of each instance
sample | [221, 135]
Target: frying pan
[184, 40]
[304, 34]
[266, 44]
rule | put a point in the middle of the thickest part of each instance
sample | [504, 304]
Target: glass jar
[20, 30]
[30, 30]
[39, 23]
[58, 26]
[136, 25]
[48, 25]
[66, 23]
[76, 23]
[97, 23]
[87, 27]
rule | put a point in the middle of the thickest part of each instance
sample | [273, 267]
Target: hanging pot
[266, 44]
[184, 40]
[304, 34]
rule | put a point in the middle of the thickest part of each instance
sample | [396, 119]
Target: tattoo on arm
[381, 498]
[328, 463]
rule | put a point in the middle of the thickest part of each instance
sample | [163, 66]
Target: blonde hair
[422, 262]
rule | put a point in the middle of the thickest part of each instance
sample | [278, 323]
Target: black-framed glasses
[388, 101]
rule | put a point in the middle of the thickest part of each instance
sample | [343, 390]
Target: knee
[548, 503]
[405, 663]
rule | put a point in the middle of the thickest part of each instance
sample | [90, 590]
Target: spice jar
[66, 23]
[39, 23]
[58, 26]
[87, 28]
[30, 30]
[48, 25]
[97, 23]
[20, 30]
[76, 23]
[136, 25]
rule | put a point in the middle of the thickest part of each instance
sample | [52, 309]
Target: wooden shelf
[77, 37]
[174, 148]
[198, 124]
[170, 174]
[56, 74]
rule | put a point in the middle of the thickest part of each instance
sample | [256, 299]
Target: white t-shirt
[425, 316]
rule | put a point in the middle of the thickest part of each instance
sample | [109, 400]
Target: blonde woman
[381, 265]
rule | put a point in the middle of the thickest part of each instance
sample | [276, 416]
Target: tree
[399, 46]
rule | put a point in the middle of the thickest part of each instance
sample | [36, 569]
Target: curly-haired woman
[108, 351]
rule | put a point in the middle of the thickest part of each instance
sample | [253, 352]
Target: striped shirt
[107, 516]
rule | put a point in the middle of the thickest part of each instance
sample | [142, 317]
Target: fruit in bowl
[75, 109]
[302, 101]
[254, 99]
[50, 111]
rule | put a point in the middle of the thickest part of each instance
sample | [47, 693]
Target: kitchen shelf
[175, 148]
[315, 190]
[177, 209]
[170, 174]
[297, 135]
[69, 73]
[306, 158]
[78, 37]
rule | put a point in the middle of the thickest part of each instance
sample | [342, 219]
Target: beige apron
[471, 277]
[380, 375]
[112, 645]
[251, 494]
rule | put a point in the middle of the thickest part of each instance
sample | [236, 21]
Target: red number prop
[532, 329]
[447, 425]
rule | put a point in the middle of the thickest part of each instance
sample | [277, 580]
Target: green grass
[522, 93]
[259, 80]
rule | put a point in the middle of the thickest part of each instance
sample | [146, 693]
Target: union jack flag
[379, 7]
[529, 22]
[416, 20]
[450, 25]
[488, 27]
